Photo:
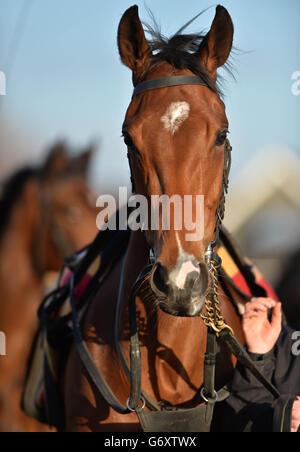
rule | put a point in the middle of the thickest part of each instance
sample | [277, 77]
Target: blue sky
[67, 79]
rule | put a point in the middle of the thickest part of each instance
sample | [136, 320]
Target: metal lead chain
[212, 317]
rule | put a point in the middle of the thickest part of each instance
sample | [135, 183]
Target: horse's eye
[128, 141]
[221, 137]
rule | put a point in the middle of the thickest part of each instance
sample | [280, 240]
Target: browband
[165, 82]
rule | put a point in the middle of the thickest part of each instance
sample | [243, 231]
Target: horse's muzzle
[182, 291]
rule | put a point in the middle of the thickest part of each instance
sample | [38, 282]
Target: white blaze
[185, 269]
[175, 115]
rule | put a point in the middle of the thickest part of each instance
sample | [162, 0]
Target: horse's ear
[216, 46]
[56, 161]
[83, 160]
[134, 49]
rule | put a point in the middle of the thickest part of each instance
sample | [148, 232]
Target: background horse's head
[68, 206]
[176, 137]
[46, 213]
[53, 206]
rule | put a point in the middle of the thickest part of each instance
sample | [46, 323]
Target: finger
[295, 422]
[261, 303]
[295, 426]
[251, 315]
[276, 320]
[255, 306]
[263, 300]
[296, 409]
[267, 302]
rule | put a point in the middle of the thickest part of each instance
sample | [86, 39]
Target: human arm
[250, 407]
[262, 333]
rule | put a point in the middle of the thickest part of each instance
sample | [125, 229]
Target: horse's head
[68, 207]
[176, 138]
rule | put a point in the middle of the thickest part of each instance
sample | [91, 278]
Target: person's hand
[261, 334]
[296, 416]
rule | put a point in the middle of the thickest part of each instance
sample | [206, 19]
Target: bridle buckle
[209, 399]
[134, 409]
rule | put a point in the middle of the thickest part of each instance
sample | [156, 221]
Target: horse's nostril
[160, 279]
[197, 285]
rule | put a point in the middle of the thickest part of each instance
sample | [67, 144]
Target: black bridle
[167, 82]
[198, 418]
[178, 80]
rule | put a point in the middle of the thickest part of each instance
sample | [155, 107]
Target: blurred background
[65, 81]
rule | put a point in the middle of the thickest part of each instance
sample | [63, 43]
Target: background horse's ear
[134, 49]
[56, 161]
[82, 161]
[216, 46]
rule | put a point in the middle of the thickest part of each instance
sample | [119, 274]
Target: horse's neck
[20, 294]
[16, 245]
[172, 348]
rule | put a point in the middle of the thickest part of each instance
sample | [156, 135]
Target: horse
[47, 212]
[175, 130]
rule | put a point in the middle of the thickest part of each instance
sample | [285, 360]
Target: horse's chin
[192, 309]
